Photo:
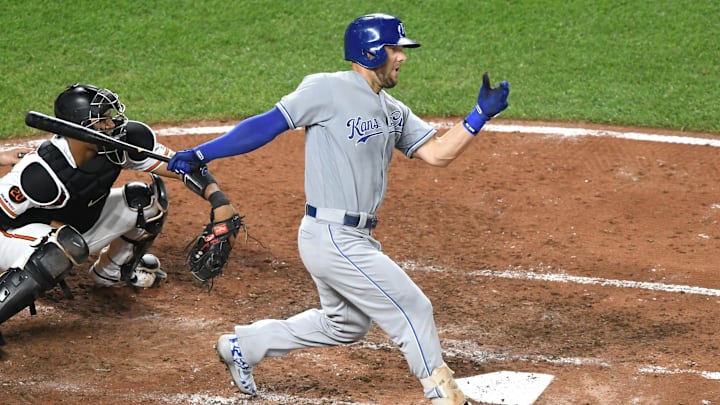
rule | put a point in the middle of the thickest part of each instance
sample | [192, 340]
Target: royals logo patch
[396, 121]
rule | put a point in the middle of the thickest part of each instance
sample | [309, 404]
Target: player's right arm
[442, 150]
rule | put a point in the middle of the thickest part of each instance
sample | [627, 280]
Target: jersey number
[16, 195]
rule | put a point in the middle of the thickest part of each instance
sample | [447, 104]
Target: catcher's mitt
[208, 254]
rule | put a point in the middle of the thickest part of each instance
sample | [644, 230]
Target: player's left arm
[442, 150]
[245, 137]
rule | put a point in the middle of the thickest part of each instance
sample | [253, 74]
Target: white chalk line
[565, 278]
[519, 274]
[571, 132]
[504, 128]
[709, 375]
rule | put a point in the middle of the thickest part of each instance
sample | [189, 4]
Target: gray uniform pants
[357, 284]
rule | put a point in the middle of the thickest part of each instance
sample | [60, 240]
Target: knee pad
[142, 197]
[19, 288]
[148, 200]
[443, 384]
[72, 244]
[49, 262]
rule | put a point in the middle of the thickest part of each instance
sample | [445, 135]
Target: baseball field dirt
[590, 258]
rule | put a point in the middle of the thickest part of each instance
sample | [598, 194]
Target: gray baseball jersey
[351, 133]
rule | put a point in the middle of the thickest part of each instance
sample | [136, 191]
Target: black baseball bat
[72, 130]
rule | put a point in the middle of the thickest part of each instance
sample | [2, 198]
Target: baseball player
[352, 126]
[58, 206]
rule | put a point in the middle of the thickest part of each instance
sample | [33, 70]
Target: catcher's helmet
[366, 37]
[86, 104]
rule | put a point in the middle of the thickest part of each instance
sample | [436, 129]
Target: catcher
[58, 206]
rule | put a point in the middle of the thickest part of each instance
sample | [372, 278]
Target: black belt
[348, 220]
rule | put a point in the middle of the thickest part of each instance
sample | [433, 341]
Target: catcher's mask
[366, 37]
[90, 106]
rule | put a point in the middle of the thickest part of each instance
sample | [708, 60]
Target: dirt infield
[593, 259]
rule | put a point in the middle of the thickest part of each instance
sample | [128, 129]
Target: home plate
[505, 387]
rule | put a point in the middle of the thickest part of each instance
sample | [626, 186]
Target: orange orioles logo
[16, 195]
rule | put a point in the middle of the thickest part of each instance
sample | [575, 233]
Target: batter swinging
[352, 127]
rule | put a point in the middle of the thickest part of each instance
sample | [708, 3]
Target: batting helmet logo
[401, 30]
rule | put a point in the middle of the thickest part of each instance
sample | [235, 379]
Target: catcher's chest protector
[88, 186]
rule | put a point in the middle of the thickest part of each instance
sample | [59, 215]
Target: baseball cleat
[229, 352]
[148, 274]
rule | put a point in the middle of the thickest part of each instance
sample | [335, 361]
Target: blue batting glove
[183, 162]
[490, 103]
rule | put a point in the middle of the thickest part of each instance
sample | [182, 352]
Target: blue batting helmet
[366, 37]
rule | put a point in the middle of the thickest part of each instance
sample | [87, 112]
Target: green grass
[654, 64]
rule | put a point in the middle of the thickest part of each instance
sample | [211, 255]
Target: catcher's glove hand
[209, 253]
